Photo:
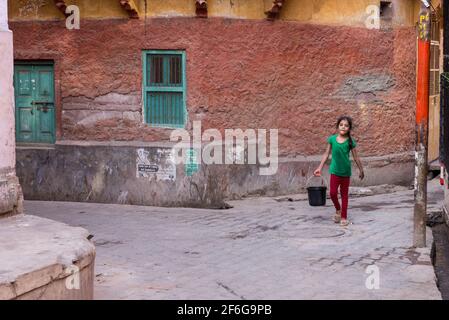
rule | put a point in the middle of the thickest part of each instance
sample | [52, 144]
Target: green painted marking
[191, 165]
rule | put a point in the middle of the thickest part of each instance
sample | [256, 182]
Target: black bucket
[317, 196]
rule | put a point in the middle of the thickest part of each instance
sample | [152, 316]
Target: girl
[340, 145]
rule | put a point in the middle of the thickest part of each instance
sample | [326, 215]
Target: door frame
[49, 61]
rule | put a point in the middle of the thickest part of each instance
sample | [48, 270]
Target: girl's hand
[317, 172]
[361, 175]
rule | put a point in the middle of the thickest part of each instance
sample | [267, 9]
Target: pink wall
[292, 76]
[7, 125]
[11, 198]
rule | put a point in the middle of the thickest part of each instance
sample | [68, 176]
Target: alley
[263, 248]
[120, 120]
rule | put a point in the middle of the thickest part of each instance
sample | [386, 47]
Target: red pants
[343, 182]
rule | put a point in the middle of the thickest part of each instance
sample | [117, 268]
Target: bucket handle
[322, 179]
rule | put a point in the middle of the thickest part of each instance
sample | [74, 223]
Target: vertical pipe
[421, 127]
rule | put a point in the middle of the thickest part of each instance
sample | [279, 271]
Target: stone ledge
[37, 256]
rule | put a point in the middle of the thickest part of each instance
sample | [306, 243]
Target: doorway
[34, 101]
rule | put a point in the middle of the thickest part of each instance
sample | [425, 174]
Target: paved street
[261, 249]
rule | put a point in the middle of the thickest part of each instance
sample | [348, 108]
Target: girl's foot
[344, 222]
[337, 216]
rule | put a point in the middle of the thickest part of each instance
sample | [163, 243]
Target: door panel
[46, 126]
[25, 120]
[24, 81]
[44, 103]
[23, 85]
[45, 82]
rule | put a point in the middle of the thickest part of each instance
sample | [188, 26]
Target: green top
[340, 164]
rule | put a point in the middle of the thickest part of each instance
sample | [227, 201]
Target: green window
[164, 88]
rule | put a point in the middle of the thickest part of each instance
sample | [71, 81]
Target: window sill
[28, 145]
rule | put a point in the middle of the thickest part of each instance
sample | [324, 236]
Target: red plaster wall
[240, 74]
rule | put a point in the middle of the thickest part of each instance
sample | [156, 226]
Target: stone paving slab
[261, 249]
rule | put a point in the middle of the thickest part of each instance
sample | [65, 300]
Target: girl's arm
[326, 154]
[359, 164]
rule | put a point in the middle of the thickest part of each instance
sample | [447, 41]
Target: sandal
[337, 217]
[344, 222]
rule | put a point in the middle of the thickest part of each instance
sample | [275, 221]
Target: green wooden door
[34, 98]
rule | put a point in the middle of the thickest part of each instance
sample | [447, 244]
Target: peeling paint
[365, 87]
[30, 7]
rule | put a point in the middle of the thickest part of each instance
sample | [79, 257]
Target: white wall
[3, 15]
[7, 125]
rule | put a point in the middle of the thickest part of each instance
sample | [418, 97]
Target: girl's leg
[344, 189]
[334, 191]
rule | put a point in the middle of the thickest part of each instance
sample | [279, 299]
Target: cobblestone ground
[261, 249]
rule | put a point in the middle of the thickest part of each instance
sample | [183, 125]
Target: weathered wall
[240, 74]
[340, 12]
[46, 9]
[109, 174]
[297, 75]
[106, 173]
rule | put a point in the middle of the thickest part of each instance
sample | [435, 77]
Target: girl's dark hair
[349, 119]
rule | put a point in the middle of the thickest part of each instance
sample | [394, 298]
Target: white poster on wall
[160, 166]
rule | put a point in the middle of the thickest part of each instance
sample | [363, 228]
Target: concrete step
[44, 259]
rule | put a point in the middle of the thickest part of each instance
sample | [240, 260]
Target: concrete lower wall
[116, 174]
